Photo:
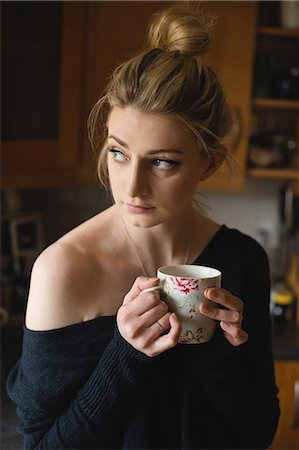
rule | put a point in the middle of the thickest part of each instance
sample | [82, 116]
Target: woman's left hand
[230, 317]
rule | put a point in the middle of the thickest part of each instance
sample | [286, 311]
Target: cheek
[114, 182]
[180, 190]
[112, 173]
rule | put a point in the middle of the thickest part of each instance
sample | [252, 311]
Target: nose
[137, 183]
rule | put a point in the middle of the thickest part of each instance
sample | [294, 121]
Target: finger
[168, 340]
[143, 303]
[155, 313]
[161, 325]
[140, 284]
[164, 321]
[235, 335]
[143, 337]
[225, 315]
[137, 315]
[154, 288]
[224, 298]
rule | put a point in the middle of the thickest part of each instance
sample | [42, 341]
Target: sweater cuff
[127, 350]
[114, 375]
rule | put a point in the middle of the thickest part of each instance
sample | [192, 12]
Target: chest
[105, 294]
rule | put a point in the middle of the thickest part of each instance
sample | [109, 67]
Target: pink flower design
[184, 285]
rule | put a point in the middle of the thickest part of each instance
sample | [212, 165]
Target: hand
[230, 318]
[137, 319]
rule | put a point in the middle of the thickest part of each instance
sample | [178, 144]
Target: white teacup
[182, 288]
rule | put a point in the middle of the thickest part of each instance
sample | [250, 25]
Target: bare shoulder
[54, 281]
[65, 277]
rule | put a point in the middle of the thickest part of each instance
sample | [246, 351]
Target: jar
[290, 13]
[283, 150]
[282, 305]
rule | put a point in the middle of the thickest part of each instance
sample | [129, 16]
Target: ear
[213, 163]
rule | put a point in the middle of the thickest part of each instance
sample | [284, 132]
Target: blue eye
[164, 164]
[117, 155]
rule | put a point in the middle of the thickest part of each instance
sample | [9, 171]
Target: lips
[138, 209]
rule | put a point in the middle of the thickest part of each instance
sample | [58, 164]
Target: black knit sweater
[84, 387]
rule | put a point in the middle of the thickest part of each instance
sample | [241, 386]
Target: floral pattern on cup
[186, 302]
[183, 292]
[190, 337]
[192, 312]
[184, 285]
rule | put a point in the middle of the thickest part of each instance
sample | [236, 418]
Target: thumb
[139, 284]
[175, 325]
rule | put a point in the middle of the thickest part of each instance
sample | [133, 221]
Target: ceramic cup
[182, 288]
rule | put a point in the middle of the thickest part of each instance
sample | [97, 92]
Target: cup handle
[154, 288]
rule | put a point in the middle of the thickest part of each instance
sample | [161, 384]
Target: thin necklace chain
[188, 247]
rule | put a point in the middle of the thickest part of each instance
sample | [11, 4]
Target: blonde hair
[169, 78]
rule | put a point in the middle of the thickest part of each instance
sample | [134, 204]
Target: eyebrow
[150, 152]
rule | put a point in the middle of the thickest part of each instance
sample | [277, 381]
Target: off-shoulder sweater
[84, 387]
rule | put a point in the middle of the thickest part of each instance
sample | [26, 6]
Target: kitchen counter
[285, 339]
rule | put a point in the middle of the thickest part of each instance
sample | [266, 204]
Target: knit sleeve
[246, 395]
[60, 415]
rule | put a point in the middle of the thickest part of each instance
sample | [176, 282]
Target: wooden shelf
[275, 103]
[279, 31]
[288, 174]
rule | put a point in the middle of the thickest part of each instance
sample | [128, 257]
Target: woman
[96, 372]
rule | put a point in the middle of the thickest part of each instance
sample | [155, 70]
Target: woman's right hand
[137, 319]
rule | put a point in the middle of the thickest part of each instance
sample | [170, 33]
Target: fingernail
[213, 293]
[206, 308]
[235, 316]
[225, 324]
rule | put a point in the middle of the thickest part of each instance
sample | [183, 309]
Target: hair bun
[182, 27]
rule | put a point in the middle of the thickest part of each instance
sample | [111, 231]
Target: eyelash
[155, 161]
[169, 162]
[114, 153]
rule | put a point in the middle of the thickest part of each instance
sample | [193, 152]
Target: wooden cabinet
[274, 136]
[116, 31]
[287, 435]
[42, 68]
[94, 37]
[232, 54]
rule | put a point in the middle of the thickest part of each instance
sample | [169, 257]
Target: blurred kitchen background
[55, 61]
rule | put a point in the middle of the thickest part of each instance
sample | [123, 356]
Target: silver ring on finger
[160, 326]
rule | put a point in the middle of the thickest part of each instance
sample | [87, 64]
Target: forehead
[131, 125]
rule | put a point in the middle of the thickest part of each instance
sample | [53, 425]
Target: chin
[147, 219]
[142, 222]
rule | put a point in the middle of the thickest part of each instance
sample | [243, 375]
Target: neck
[145, 243]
